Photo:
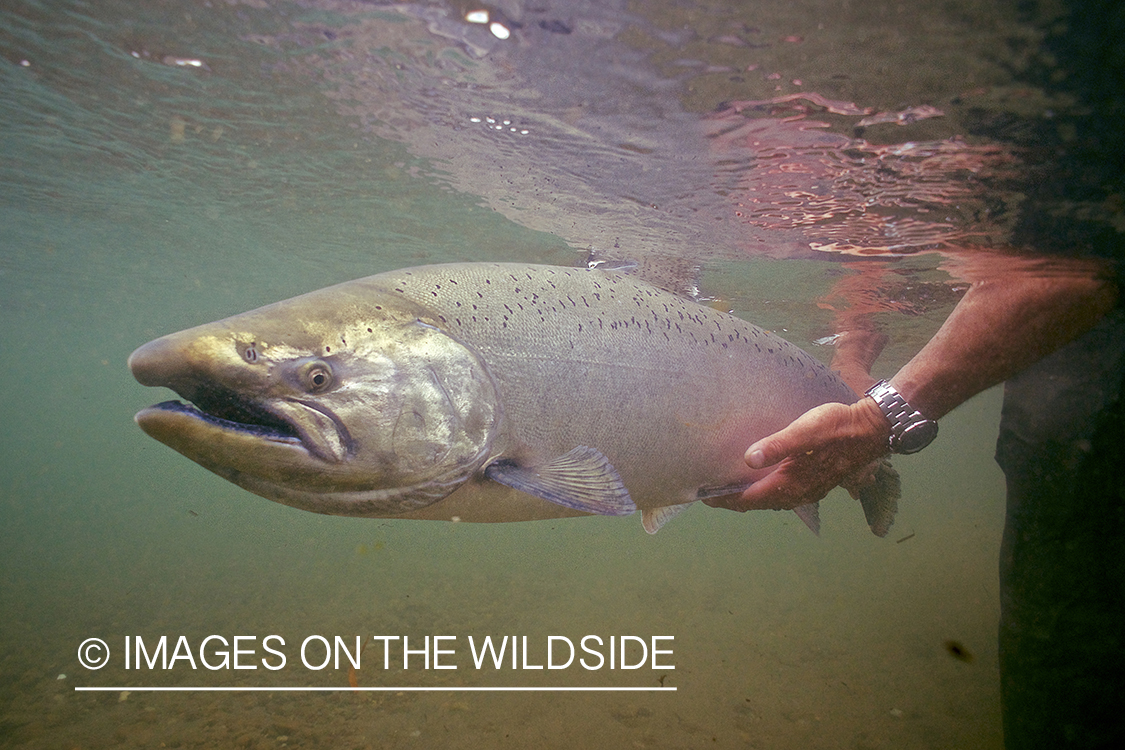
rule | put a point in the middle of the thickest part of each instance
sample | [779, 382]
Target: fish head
[345, 401]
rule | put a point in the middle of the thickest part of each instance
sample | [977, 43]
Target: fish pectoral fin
[582, 479]
[654, 519]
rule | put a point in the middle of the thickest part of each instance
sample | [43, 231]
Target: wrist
[878, 426]
[909, 430]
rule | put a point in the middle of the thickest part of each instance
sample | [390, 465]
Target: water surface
[170, 163]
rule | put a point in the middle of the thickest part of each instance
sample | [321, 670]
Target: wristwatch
[910, 431]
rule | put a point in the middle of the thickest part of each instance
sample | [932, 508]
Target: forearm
[1014, 314]
[1002, 325]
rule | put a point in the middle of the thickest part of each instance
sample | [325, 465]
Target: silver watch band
[910, 431]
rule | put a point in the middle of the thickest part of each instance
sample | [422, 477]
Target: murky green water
[318, 142]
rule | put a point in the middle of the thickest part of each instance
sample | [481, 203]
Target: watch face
[917, 436]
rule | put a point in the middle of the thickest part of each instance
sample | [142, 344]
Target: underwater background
[166, 164]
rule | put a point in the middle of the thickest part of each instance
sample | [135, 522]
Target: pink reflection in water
[851, 196]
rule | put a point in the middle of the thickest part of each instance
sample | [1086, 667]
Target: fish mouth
[182, 364]
[217, 427]
[223, 405]
[232, 414]
[224, 417]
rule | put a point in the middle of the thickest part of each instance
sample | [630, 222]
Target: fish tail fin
[879, 497]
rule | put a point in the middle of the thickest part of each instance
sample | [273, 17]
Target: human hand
[832, 444]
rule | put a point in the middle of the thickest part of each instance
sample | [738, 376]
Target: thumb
[764, 453]
[773, 448]
[804, 434]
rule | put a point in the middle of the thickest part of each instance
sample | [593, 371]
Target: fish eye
[316, 377]
[250, 353]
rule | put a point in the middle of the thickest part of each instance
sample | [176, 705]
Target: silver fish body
[482, 392]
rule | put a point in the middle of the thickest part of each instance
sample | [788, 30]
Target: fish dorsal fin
[654, 519]
[672, 273]
[582, 479]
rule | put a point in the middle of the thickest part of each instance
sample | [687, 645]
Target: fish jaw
[387, 416]
[229, 424]
[233, 450]
[277, 466]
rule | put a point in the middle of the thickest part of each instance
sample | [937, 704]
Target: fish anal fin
[810, 514]
[582, 479]
[653, 519]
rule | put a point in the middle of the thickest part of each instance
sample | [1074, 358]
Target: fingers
[784, 489]
[826, 446]
[773, 448]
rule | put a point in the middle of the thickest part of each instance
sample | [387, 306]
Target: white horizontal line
[255, 689]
